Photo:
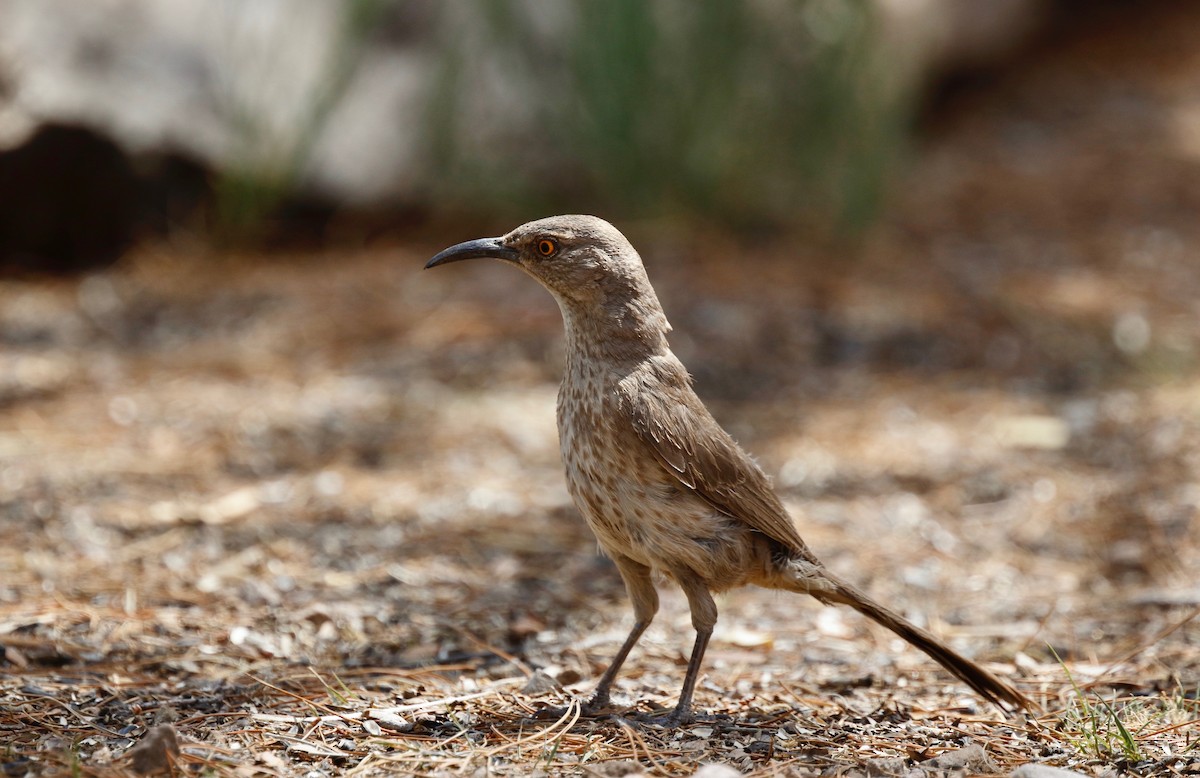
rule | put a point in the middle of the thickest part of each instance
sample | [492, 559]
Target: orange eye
[547, 247]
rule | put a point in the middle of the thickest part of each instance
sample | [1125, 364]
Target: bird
[664, 488]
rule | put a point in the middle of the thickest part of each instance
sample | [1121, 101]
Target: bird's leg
[600, 698]
[704, 618]
[683, 709]
[644, 598]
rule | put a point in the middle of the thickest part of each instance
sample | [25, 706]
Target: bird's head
[584, 261]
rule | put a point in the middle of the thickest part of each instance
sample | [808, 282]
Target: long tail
[988, 686]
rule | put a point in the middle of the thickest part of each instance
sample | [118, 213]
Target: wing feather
[669, 418]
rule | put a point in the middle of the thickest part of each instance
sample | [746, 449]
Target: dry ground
[308, 511]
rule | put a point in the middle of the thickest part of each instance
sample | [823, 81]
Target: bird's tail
[990, 687]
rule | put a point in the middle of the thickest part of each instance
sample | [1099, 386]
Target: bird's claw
[676, 718]
[590, 708]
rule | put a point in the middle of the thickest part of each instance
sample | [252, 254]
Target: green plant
[267, 166]
[1099, 729]
[747, 112]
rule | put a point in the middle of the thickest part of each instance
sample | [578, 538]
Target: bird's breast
[635, 507]
[608, 473]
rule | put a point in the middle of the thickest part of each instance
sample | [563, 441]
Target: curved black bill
[474, 249]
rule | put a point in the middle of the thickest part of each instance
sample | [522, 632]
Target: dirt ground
[307, 510]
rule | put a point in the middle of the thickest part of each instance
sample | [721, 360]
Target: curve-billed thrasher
[660, 483]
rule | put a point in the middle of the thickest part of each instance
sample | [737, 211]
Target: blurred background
[143, 118]
[934, 261]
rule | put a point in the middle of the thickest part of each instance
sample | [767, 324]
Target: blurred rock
[329, 98]
[71, 199]
[218, 82]
[716, 771]
[31, 377]
[1032, 431]
[68, 200]
[615, 769]
[971, 759]
[539, 683]
[1031, 770]
[156, 753]
[945, 36]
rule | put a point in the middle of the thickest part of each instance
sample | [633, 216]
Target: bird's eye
[547, 247]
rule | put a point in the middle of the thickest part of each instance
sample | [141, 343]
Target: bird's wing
[670, 419]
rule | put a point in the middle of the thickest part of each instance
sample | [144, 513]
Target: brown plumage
[662, 485]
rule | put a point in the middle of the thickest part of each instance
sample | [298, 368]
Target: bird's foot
[590, 708]
[676, 718]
